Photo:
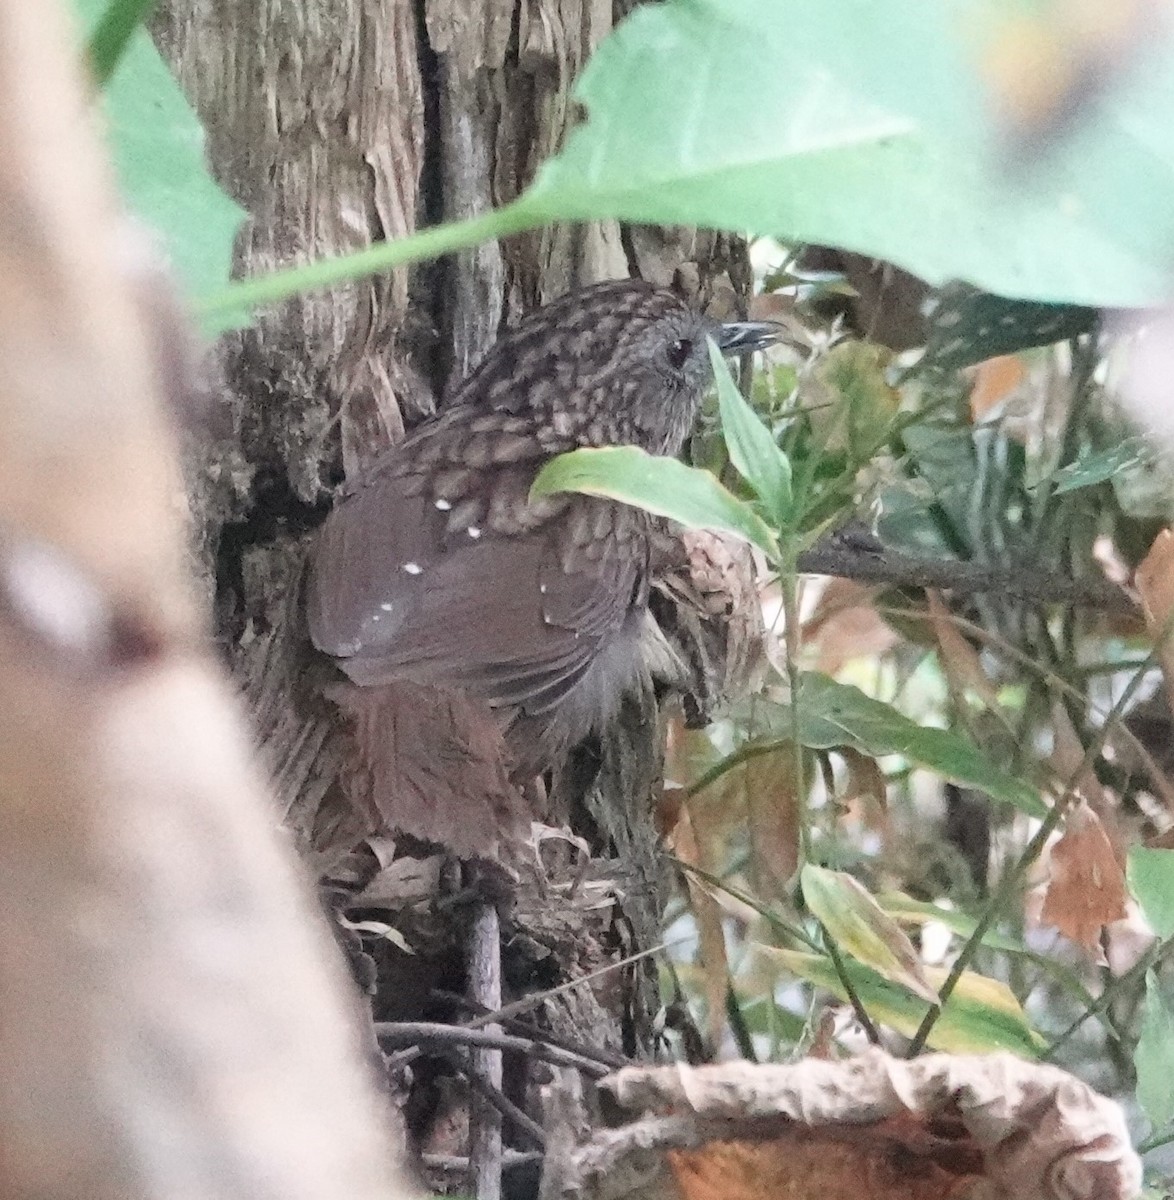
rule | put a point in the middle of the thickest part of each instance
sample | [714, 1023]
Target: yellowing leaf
[862, 929]
[982, 1015]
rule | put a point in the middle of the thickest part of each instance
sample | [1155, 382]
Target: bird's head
[617, 363]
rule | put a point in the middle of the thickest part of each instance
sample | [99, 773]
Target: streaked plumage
[436, 569]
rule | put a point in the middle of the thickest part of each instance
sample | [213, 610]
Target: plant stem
[234, 304]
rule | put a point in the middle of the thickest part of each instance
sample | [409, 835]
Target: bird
[437, 570]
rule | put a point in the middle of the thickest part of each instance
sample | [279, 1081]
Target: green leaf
[968, 326]
[862, 929]
[834, 714]
[659, 485]
[1150, 874]
[1101, 466]
[113, 32]
[1154, 1057]
[908, 911]
[919, 912]
[158, 150]
[752, 448]
[783, 117]
[981, 1016]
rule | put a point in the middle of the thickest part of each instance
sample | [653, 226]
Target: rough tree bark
[335, 123]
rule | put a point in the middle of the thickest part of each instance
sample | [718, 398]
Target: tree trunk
[336, 123]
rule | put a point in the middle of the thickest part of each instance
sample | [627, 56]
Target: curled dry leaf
[716, 587]
[1086, 889]
[845, 626]
[869, 1128]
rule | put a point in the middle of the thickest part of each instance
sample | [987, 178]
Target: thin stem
[1155, 1141]
[113, 32]
[792, 635]
[1146, 963]
[234, 303]
[870, 1030]
[417, 1034]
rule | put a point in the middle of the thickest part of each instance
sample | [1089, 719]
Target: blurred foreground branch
[173, 1022]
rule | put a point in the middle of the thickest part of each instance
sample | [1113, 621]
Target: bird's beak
[743, 337]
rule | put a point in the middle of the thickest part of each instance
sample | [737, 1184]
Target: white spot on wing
[385, 607]
[443, 505]
[474, 532]
[542, 589]
[412, 568]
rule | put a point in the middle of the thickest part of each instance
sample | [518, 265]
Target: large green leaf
[660, 485]
[157, 146]
[863, 125]
[855, 124]
[832, 714]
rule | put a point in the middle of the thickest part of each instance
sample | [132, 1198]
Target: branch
[873, 563]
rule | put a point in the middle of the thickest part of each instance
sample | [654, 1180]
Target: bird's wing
[470, 587]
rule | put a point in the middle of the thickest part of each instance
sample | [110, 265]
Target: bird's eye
[679, 353]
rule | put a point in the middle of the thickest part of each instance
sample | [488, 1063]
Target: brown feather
[436, 570]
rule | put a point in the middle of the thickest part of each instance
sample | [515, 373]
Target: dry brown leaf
[1154, 580]
[868, 1128]
[772, 813]
[430, 763]
[845, 626]
[960, 660]
[1086, 889]
[865, 793]
[994, 380]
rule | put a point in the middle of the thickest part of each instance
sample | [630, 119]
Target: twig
[507, 1108]
[457, 1164]
[485, 1071]
[526, 1003]
[422, 1034]
[530, 1030]
[867, 565]
[866, 1022]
